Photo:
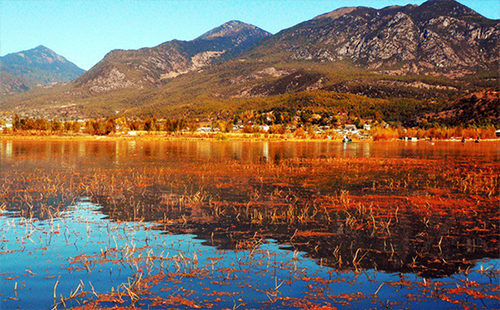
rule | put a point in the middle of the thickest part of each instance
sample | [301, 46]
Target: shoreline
[220, 137]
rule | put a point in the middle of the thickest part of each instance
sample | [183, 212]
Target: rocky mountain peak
[43, 49]
[231, 28]
[450, 8]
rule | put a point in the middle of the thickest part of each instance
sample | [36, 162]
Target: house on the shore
[6, 127]
[351, 130]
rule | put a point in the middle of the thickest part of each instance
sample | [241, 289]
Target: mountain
[140, 69]
[439, 37]
[398, 63]
[39, 66]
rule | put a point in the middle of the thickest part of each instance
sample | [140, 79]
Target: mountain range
[429, 55]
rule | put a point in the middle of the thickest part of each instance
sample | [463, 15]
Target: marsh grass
[404, 215]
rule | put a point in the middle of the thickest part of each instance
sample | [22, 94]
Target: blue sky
[84, 31]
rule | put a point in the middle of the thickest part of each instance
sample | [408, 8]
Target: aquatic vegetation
[233, 224]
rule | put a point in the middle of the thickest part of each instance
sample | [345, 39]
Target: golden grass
[434, 133]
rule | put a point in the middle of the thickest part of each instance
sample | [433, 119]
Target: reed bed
[418, 216]
[309, 215]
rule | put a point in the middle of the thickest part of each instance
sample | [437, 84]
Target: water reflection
[248, 151]
[7, 150]
[426, 208]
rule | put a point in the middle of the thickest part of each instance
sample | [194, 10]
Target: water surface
[191, 224]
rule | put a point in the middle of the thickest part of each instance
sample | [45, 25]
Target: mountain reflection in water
[429, 209]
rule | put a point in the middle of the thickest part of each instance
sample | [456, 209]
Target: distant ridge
[41, 66]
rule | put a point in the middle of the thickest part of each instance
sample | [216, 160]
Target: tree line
[304, 123]
[102, 126]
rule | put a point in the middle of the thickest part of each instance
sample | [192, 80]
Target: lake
[235, 224]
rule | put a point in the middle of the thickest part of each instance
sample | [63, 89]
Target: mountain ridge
[398, 40]
[150, 66]
[40, 66]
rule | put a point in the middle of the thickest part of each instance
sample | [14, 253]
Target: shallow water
[190, 224]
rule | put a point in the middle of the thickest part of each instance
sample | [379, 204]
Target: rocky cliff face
[36, 67]
[152, 66]
[437, 37]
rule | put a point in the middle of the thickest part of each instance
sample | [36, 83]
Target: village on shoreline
[226, 136]
[298, 129]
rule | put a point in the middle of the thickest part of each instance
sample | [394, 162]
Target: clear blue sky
[83, 31]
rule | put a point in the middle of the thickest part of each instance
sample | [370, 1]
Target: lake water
[232, 224]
